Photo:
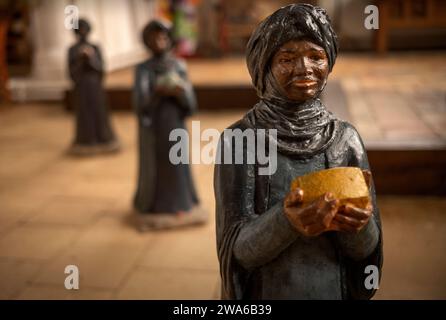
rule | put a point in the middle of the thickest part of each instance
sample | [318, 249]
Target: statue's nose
[302, 67]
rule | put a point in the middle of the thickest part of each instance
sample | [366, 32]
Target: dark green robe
[263, 257]
[162, 187]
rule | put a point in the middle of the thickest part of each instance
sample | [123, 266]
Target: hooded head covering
[303, 129]
[156, 26]
[296, 21]
[83, 24]
[160, 63]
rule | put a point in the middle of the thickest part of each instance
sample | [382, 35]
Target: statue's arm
[187, 98]
[360, 245]
[74, 64]
[264, 237]
[141, 91]
[95, 61]
[260, 238]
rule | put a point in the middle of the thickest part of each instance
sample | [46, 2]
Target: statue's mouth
[304, 83]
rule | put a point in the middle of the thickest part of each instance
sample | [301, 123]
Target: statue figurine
[163, 97]
[94, 133]
[272, 244]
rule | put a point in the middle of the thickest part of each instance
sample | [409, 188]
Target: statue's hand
[351, 219]
[174, 91]
[89, 51]
[86, 51]
[310, 219]
[178, 90]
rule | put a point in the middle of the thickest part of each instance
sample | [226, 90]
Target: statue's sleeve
[364, 248]
[245, 240]
[264, 237]
[187, 99]
[95, 61]
[141, 91]
[74, 64]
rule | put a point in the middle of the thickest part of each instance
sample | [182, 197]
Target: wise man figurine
[94, 133]
[163, 98]
[272, 244]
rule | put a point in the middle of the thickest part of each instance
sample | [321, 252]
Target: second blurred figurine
[163, 97]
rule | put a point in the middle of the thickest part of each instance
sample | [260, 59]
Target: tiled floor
[57, 210]
[414, 248]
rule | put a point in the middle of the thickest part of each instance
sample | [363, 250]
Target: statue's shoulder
[239, 124]
[347, 146]
[229, 133]
[96, 46]
[143, 66]
[180, 63]
[73, 47]
[348, 133]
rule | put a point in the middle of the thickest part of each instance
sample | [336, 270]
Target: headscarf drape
[303, 129]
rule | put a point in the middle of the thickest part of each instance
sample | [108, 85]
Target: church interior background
[57, 210]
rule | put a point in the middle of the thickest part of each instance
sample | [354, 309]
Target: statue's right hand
[310, 219]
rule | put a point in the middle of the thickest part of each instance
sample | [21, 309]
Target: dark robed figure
[270, 244]
[163, 97]
[93, 129]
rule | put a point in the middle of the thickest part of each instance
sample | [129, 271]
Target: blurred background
[57, 210]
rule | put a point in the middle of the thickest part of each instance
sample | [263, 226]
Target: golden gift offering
[347, 184]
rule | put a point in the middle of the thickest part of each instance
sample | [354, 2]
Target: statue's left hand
[175, 91]
[87, 51]
[350, 218]
[178, 90]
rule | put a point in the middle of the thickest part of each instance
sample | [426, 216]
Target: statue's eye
[285, 60]
[316, 57]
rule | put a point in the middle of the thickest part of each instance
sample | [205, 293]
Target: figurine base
[87, 150]
[160, 221]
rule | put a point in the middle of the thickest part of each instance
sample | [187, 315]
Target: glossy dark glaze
[85, 64]
[262, 254]
[162, 187]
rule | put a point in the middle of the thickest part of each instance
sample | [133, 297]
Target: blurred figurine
[271, 243]
[94, 133]
[163, 97]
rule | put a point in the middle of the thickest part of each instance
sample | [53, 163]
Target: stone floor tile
[75, 211]
[36, 242]
[192, 248]
[100, 266]
[149, 283]
[40, 292]
[15, 275]
[104, 253]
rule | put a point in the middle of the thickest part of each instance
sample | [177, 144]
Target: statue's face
[159, 42]
[300, 68]
[83, 31]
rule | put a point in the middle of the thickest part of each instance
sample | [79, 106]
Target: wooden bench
[408, 14]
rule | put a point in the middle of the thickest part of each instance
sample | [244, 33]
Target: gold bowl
[347, 184]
